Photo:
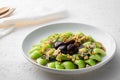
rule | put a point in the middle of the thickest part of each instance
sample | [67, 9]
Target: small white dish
[44, 31]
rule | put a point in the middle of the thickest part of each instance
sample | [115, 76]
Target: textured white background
[104, 14]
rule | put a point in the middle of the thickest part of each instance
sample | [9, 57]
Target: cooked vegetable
[96, 57]
[99, 51]
[68, 51]
[69, 65]
[42, 61]
[90, 62]
[80, 63]
[51, 65]
[35, 55]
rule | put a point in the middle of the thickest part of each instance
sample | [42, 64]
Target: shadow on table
[107, 72]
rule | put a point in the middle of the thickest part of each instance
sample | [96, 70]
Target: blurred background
[104, 14]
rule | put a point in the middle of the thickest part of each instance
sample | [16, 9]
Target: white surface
[104, 14]
[35, 36]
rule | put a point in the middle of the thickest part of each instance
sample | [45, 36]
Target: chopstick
[34, 21]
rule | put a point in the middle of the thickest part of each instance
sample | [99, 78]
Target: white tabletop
[104, 14]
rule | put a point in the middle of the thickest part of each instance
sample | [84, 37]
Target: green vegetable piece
[34, 49]
[83, 50]
[60, 39]
[51, 65]
[58, 58]
[50, 51]
[76, 56]
[53, 37]
[96, 57]
[87, 44]
[99, 51]
[90, 62]
[35, 55]
[48, 46]
[80, 33]
[91, 38]
[62, 57]
[67, 34]
[80, 63]
[42, 61]
[57, 63]
[59, 67]
[98, 45]
[45, 47]
[69, 65]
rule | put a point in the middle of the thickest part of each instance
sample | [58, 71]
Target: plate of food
[68, 48]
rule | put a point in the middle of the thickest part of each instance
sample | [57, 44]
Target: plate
[44, 31]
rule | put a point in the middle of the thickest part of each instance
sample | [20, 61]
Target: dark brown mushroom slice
[57, 44]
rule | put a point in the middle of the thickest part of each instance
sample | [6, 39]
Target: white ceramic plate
[44, 31]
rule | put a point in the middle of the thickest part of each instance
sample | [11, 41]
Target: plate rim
[73, 70]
